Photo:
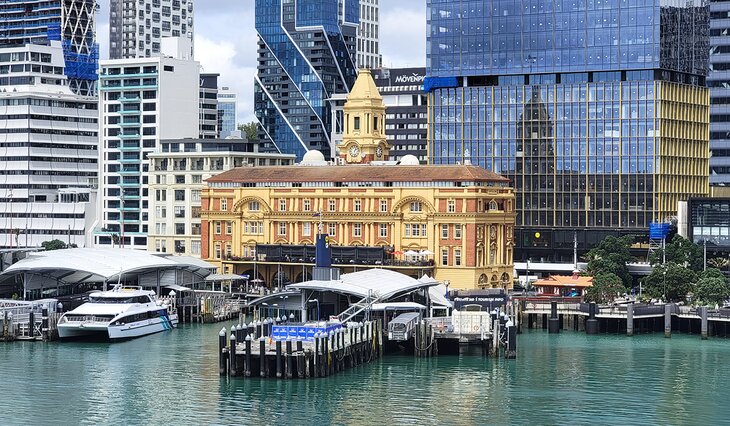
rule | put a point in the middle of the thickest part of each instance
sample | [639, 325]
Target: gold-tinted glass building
[597, 111]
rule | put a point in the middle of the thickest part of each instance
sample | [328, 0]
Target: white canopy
[383, 282]
[101, 264]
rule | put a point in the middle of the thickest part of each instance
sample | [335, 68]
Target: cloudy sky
[225, 40]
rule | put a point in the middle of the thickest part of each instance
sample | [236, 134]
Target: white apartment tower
[368, 35]
[48, 149]
[141, 101]
[137, 27]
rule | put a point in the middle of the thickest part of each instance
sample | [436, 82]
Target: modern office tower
[141, 101]
[177, 178]
[406, 113]
[209, 106]
[136, 28]
[71, 22]
[719, 82]
[227, 111]
[597, 112]
[368, 35]
[48, 147]
[306, 54]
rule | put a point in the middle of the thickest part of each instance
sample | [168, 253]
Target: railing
[358, 307]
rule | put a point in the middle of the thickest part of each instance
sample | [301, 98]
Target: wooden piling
[247, 358]
[232, 356]
[262, 357]
[278, 358]
[222, 362]
[288, 360]
[630, 319]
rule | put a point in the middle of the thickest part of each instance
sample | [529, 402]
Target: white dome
[313, 158]
[409, 160]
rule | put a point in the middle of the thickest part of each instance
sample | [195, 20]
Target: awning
[176, 287]
[223, 277]
[397, 306]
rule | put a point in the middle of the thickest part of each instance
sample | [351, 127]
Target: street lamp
[664, 273]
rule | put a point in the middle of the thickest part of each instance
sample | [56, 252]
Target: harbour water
[172, 378]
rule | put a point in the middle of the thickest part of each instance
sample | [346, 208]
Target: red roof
[565, 281]
[356, 173]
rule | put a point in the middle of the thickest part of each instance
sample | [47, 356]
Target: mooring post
[6, 328]
[703, 318]
[300, 359]
[592, 322]
[316, 360]
[262, 357]
[232, 355]
[288, 360]
[44, 323]
[325, 354]
[511, 350]
[247, 358]
[630, 319]
[668, 308]
[222, 362]
[554, 320]
[278, 358]
[259, 326]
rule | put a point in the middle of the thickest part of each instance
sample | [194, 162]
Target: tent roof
[386, 283]
[101, 264]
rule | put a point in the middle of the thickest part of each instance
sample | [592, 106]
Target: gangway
[358, 307]
[401, 327]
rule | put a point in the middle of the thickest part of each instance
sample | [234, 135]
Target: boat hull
[69, 331]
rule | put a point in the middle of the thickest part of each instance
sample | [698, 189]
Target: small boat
[122, 313]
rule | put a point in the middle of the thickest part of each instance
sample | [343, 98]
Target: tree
[711, 290]
[606, 286]
[670, 282]
[682, 252]
[250, 131]
[612, 255]
[53, 245]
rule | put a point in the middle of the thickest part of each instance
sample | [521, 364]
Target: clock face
[379, 151]
[354, 151]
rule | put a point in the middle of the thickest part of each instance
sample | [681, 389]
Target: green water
[172, 378]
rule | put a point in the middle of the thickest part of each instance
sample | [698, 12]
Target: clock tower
[364, 139]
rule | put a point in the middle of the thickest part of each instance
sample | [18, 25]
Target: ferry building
[452, 222]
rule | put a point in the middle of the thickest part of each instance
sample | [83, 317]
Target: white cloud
[219, 57]
[403, 37]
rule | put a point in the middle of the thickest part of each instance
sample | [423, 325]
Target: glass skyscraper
[71, 22]
[306, 54]
[596, 110]
[719, 83]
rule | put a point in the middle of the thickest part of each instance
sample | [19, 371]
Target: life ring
[475, 328]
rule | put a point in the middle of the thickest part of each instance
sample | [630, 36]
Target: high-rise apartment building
[209, 106]
[407, 110]
[597, 111]
[227, 111]
[137, 27]
[719, 82]
[70, 22]
[141, 101]
[48, 148]
[306, 54]
[368, 35]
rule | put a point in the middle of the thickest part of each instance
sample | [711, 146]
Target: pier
[630, 318]
[267, 349]
[20, 320]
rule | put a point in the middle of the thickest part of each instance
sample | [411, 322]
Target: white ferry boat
[122, 313]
